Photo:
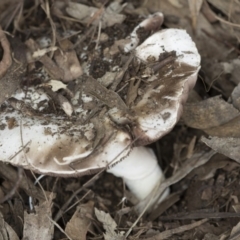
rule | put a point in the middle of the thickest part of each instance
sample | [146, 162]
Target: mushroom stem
[141, 172]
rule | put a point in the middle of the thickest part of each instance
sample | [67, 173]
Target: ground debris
[168, 233]
[74, 57]
[227, 146]
[80, 223]
[38, 225]
[6, 231]
[109, 225]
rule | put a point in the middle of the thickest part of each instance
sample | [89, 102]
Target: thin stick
[227, 22]
[168, 233]
[59, 227]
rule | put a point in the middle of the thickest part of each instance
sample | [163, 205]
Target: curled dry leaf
[109, 225]
[67, 60]
[38, 225]
[235, 96]
[66, 66]
[80, 223]
[92, 15]
[215, 116]
[235, 233]
[226, 146]
[209, 113]
[232, 68]
[229, 129]
[50, 66]
[208, 170]
[65, 104]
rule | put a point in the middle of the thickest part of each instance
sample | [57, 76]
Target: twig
[90, 31]
[46, 9]
[153, 194]
[10, 174]
[119, 77]
[227, 22]
[59, 227]
[199, 215]
[167, 203]
[78, 201]
[221, 41]
[168, 233]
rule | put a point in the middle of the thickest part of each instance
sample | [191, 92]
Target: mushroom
[114, 138]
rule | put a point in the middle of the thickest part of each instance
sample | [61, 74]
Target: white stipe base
[141, 173]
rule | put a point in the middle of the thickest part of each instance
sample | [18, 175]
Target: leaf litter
[205, 191]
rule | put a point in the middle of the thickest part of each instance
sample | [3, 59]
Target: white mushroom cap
[153, 22]
[55, 145]
[49, 146]
[161, 106]
[168, 40]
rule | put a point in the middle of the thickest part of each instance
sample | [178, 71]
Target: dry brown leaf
[6, 60]
[38, 225]
[80, 223]
[226, 146]
[235, 233]
[209, 113]
[109, 225]
[6, 231]
[208, 12]
[65, 104]
[50, 66]
[92, 15]
[218, 76]
[66, 66]
[210, 236]
[236, 97]
[67, 61]
[107, 79]
[94, 88]
[229, 129]
[233, 68]
[208, 170]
